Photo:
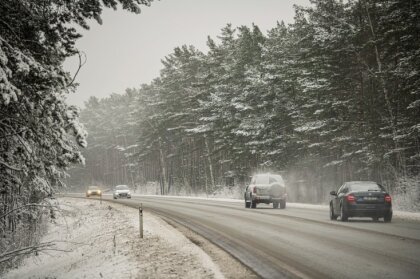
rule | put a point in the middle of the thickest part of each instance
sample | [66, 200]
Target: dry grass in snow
[102, 241]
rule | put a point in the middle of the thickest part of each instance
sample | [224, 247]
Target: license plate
[370, 198]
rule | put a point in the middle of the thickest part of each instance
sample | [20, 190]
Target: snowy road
[297, 242]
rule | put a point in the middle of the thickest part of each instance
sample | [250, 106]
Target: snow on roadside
[414, 216]
[102, 241]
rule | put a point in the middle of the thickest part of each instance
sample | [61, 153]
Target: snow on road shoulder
[413, 216]
[102, 241]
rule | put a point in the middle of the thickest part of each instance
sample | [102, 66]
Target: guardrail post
[141, 220]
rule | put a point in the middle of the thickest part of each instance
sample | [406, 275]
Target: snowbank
[102, 241]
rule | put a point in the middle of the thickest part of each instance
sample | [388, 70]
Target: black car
[361, 199]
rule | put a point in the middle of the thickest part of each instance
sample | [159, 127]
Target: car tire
[332, 215]
[253, 203]
[388, 217]
[343, 214]
[275, 204]
[283, 204]
[247, 204]
[375, 219]
[115, 197]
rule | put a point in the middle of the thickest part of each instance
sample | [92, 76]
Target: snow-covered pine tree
[39, 132]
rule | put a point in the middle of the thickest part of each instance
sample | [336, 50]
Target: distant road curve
[296, 242]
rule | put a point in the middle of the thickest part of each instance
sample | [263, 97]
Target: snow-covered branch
[9, 166]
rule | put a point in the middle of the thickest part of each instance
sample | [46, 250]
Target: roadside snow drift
[102, 241]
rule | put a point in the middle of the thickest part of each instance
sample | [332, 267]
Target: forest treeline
[332, 97]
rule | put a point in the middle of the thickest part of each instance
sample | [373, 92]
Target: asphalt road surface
[297, 242]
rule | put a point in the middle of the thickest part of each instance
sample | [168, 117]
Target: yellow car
[93, 191]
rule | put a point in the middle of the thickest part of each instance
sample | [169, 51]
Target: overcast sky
[126, 50]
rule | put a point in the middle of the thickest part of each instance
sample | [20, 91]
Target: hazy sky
[126, 50]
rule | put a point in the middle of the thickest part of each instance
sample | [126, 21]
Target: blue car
[361, 199]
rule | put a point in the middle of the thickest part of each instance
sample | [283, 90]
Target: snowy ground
[102, 241]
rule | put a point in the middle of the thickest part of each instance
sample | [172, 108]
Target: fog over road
[296, 242]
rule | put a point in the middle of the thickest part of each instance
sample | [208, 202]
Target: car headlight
[89, 192]
[99, 191]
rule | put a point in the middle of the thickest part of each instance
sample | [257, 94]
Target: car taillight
[351, 198]
[388, 198]
[254, 190]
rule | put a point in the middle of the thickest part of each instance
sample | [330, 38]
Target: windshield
[365, 187]
[261, 179]
[267, 179]
[93, 187]
[121, 187]
[276, 179]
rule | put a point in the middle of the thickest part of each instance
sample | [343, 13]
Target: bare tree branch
[26, 205]
[9, 166]
[81, 63]
[46, 246]
[14, 133]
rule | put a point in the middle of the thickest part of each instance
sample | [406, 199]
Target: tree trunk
[208, 155]
[162, 166]
[385, 92]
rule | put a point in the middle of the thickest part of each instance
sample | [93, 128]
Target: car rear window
[276, 179]
[365, 187]
[262, 179]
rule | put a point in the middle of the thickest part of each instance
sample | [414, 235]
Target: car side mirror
[333, 193]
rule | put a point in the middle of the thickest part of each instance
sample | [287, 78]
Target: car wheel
[388, 217]
[332, 215]
[283, 204]
[343, 214]
[247, 204]
[115, 197]
[375, 219]
[275, 205]
[253, 203]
